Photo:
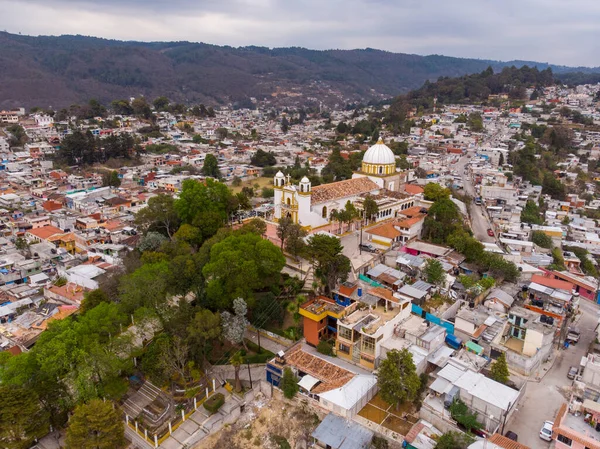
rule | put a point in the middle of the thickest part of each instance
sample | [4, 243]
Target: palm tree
[236, 360]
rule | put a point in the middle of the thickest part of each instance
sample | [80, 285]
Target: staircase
[134, 405]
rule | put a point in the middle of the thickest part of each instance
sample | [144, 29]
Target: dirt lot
[267, 424]
[262, 182]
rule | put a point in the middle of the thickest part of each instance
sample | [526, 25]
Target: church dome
[305, 180]
[379, 154]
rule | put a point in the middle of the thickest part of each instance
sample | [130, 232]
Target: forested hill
[60, 71]
[476, 88]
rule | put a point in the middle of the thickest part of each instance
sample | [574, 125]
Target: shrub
[214, 403]
[541, 239]
[282, 442]
[324, 347]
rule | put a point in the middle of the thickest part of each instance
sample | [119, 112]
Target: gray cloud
[557, 31]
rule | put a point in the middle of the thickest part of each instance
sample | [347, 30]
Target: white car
[546, 431]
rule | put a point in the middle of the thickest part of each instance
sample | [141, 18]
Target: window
[324, 212]
[380, 170]
[289, 201]
[564, 440]
[343, 348]
[368, 345]
[345, 333]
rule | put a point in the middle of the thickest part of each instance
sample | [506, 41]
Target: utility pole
[250, 375]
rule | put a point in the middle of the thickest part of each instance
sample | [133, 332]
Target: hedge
[214, 403]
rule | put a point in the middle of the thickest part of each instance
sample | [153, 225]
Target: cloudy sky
[557, 31]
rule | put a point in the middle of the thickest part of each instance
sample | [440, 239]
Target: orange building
[320, 317]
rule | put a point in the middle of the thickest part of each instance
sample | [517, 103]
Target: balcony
[290, 207]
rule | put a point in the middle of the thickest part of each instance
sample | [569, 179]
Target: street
[543, 399]
[479, 222]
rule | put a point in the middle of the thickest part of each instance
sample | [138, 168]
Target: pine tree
[96, 425]
[499, 371]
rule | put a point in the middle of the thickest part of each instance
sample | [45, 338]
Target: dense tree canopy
[239, 265]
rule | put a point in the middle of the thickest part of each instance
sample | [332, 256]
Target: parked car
[573, 371]
[511, 435]
[490, 232]
[546, 431]
[368, 248]
[573, 335]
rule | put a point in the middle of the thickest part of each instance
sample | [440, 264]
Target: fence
[417, 310]
[158, 437]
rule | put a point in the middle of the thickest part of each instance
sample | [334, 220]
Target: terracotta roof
[330, 375]
[386, 230]
[506, 443]
[552, 283]
[342, 189]
[410, 222]
[414, 431]
[45, 232]
[411, 211]
[413, 189]
[70, 291]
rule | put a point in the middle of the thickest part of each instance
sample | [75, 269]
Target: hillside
[59, 71]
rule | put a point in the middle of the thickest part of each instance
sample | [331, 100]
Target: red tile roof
[386, 230]
[45, 232]
[342, 189]
[413, 189]
[552, 283]
[506, 443]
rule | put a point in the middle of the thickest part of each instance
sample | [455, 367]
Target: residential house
[577, 428]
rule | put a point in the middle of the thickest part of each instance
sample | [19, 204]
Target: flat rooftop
[578, 424]
[369, 320]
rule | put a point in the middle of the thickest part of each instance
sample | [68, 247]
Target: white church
[311, 207]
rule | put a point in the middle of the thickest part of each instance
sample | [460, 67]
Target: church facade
[311, 207]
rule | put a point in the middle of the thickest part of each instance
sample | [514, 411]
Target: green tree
[236, 182]
[443, 219]
[92, 299]
[205, 327]
[558, 262]
[283, 229]
[461, 414]
[289, 383]
[454, 440]
[475, 122]
[435, 192]
[434, 272]
[531, 213]
[540, 238]
[159, 215]
[263, 159]
[331, 266]
[111, 179]
[285, 125]
[121, 107]
[239, 265]
[21, 244]
[370, 208]
[161, 104]
[22, 418]
[499, 371]
[211, 167]
[198, 198]
[96, 425]
[397, 378]
[146, 287]
[295, 243]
